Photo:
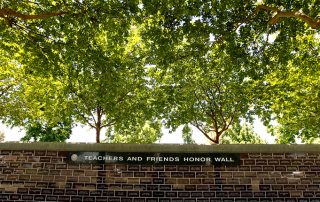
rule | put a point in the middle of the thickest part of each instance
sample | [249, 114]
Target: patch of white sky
[85, 134]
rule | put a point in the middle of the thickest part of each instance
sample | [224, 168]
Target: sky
[87, 135]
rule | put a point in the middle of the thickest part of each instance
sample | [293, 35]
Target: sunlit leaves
[241, 133]
[119, 64]
[144, 133]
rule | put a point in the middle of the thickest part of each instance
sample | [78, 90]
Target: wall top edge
[164, 148]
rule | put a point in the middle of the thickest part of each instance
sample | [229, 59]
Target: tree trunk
[98, 124]
[98, 129]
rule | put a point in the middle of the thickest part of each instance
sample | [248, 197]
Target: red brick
[54, 172]
[285, 162]
[268, 168]
[5, 152]
[52, 153]
[238, 174]
[207, 168]
[266, 156]
[254, 155]
[290, 156]
[73, 166]
[308, 162]
[40, 153]
[143, 168]
[49, 166]
[72, 179]
[78, 173]
[84, 166]
[66, 172]
[36, 177]
[33, 159]
[244, 168]
[313, 155]
[56, 160]
[256, 168]
[195, 181]
[233, 181]
[48, 178]
[13, 177]
[61, 166]
[250, 174]
[28, 153]
[297, 162]
[183, 168]
[10, 158]
[24, 177]
[22, 158]
[249, 162]
[278, 155]
[194, 168]
[38, 165]
[281, 180]
[280, 168]
[273, 162]
[292, 168]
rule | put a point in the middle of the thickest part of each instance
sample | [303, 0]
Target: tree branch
[84, 118]
[8, 12]
[313, 23]
[110, 123]
[203, 132]
[5, 89]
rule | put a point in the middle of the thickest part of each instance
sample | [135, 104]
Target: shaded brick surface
[260, 177]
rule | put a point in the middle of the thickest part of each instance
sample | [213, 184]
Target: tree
[295, 101]
[93, 63]
[113, 90]
[209, 91]
[44, 132]
[262, 39]
[187, 135]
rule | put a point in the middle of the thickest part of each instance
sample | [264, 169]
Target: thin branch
[199, 100]
[88, 108]
[230, 122]
[8, 12]
[5, 89]
[85, 118]
[29, 32]
[110, 123]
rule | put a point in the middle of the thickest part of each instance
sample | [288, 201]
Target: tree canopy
[131, 65]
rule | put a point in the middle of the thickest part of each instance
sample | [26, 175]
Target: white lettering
[134, 158]
[195, 159]
[223, 159]
[163, 159]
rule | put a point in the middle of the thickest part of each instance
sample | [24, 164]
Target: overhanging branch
[313, 23]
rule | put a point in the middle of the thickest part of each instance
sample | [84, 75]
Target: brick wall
[39, 172]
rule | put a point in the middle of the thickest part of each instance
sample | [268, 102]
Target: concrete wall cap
[164, 148]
